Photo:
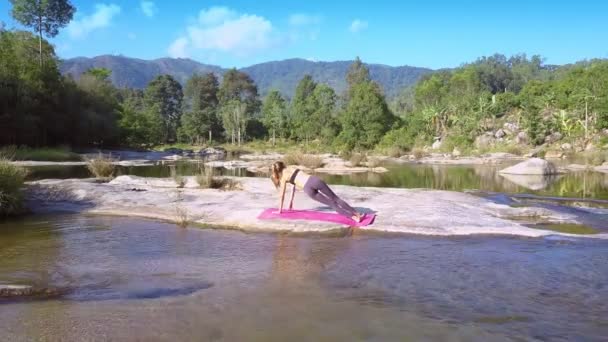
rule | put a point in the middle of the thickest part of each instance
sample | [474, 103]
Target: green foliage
[44, 17]
[12, 178]
[366, 118]
[239, 102]
[163, 96]
[308, 160]
[200, 122]
[274, 114]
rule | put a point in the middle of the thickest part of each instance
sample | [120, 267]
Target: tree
[323, 104]
[357, 73]
[366, 117]
[274, 113]
[301, 110]
[44, 16]
[164, 94]
[234, 119]
[99, 73]
[238, 99]
[200, 116]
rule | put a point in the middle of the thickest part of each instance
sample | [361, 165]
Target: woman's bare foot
[357, 217]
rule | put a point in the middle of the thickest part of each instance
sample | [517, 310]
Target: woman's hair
[277, 172]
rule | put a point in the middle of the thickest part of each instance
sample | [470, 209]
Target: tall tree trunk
[586, 120]
[40, 41]
[274, 137]
[210, 138]
[239, 135]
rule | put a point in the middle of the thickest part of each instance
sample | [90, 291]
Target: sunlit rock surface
[417, 211]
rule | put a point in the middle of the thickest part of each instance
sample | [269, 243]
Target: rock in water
[533, 166]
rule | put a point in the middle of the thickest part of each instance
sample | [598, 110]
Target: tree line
[41, 107]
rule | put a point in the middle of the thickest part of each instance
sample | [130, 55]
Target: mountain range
[281, 75]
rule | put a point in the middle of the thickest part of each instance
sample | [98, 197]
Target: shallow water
[129, 279]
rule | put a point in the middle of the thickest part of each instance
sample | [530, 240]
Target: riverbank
[415, 211]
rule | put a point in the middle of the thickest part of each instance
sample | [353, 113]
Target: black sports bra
[292, 179]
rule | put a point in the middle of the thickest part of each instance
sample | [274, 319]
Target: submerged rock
[532, 182]
[533, 166]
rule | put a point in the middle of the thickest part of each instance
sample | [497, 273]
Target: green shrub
[356, 159]
[101, 167]
[12, 178]
[308, 160]
[206, 179]
[418, 152]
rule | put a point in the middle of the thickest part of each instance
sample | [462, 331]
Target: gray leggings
[320, 192]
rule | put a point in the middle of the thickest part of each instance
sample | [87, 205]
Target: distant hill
[137, 73]
[282, 75]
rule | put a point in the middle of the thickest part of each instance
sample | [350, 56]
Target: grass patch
[308, 160]
[206, 179]
[55, 154]
[569, 228]
[101, 167]
[356, 159]
[11, 181]
[418, 152]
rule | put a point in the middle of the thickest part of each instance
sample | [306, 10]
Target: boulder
[510, 128]
[590, 147]
[500, 134]
[533, 166]
[566, 147]
[553, 137]
[532, 182]
[484, 141]
[212, 150]
[522, 138]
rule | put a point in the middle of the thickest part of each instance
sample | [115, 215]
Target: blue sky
[429, 33]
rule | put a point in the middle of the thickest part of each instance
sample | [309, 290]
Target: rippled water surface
[133, 279]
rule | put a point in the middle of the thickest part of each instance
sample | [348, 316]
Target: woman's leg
[320, 192]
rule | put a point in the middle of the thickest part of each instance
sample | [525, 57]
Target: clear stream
[137, 279]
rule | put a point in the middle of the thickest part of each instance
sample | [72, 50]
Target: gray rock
[553, 137]
[510, 128]
[532, 182]
[566, 146]
[500, 134]
[590, 147]
[522, 138]
[484, 141]
[416, 211]
[533, 166]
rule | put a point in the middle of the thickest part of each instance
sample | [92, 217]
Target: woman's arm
[293, 195]
[283, 189]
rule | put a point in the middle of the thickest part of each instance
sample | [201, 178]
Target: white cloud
[357, 26]
[302, 19]
[178, 48]
[149, 8]
[102, 17]
[221, 29]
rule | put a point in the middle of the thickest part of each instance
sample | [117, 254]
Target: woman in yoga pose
[314, 187]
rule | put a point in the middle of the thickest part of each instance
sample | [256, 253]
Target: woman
[314, 187]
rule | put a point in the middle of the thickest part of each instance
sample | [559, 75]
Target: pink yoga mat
[311, 215]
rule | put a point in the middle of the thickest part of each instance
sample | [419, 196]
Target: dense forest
[42, 107]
